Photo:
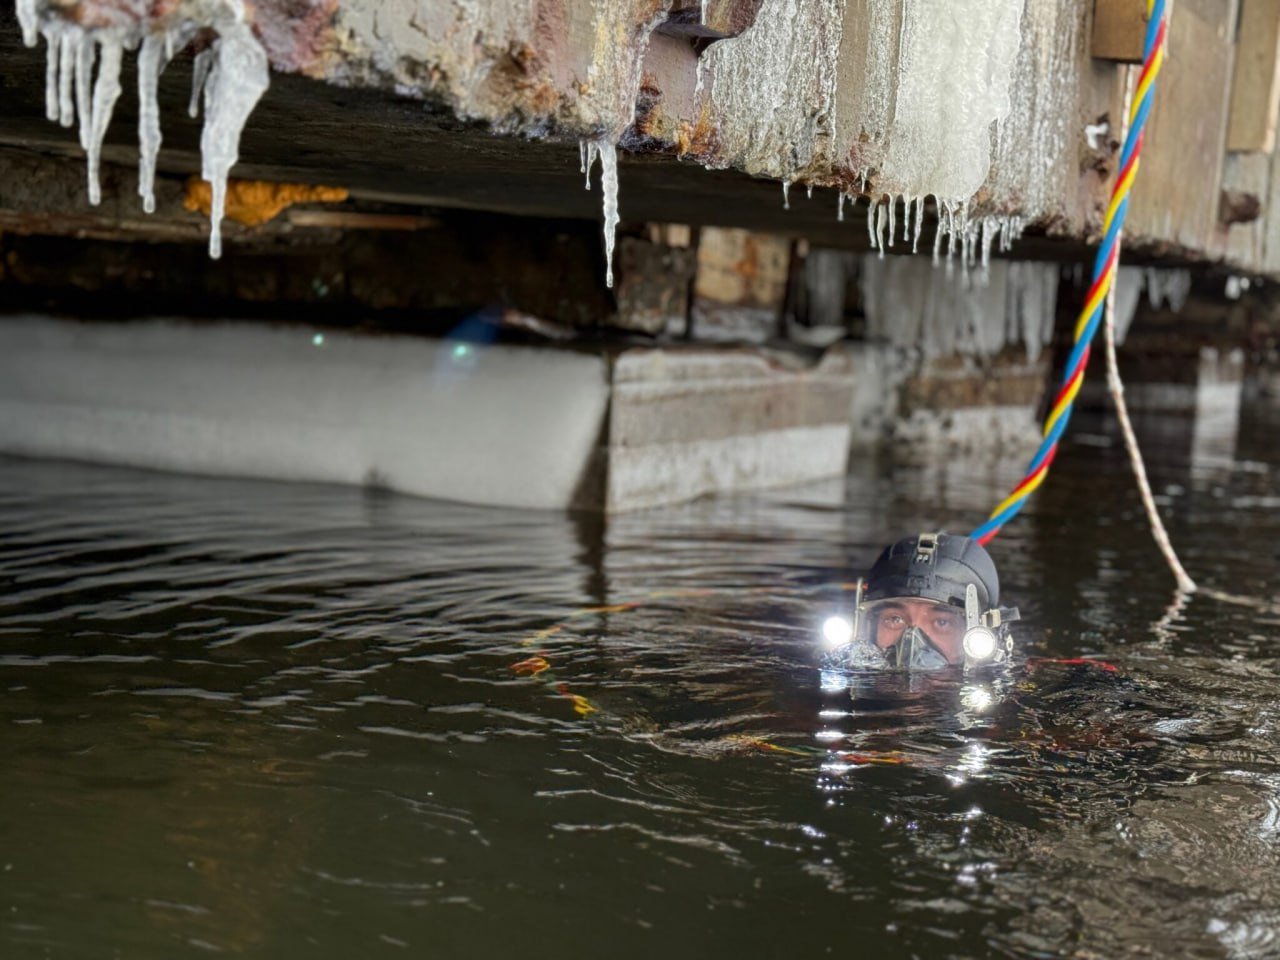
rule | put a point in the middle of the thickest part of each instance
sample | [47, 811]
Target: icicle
[238, 79]
[915, 242]
[106, 90]
[174, 40]
[840, 207]
[66, 70]
[871, 230]
[589, 151]
[893, 207]
[786, 194]
[582, 156]
[863, 189]
[906, 219]
[199, 75]
[609, 187]
[808, 191]
[29, 21]
[151, 60]
[53, 47]
[85, 55]
[990, 230]
[881, 217]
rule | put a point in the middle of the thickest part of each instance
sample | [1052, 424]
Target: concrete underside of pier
[482, 106]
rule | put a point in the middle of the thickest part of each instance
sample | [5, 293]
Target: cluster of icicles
[83, 79]
[958, 231]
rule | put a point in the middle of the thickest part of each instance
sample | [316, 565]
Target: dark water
[283, 722]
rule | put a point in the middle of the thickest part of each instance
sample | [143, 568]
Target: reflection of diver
[929, 602]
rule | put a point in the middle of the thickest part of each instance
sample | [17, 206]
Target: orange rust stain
[698, 139]
[254, 202]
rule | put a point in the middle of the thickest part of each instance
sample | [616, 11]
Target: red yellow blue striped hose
[1104, 272]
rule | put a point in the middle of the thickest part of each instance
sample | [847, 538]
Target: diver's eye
[894, 621]
[944, 623]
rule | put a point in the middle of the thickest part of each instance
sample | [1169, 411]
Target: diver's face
[944, 625]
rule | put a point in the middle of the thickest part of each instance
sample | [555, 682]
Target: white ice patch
[954, 66]
[231, 75]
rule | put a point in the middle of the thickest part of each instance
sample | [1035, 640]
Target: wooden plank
[1175, 202]
[1255, 85]
[1118, 30]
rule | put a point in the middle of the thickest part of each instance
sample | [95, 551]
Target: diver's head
[931, 601]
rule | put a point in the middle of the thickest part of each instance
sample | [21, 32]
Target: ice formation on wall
[1036, 162]
[232, 72]
[912, 92]
[911, 305]
[954, 66]
[774, 86]
[946, 68]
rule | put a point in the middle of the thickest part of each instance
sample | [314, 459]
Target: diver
[929, 602]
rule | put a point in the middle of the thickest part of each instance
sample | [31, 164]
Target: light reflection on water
[283, 722]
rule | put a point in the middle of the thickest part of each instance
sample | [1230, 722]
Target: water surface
[283, 721]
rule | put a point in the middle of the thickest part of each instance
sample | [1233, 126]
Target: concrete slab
[688, 423]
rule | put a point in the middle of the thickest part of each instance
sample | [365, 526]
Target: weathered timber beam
[1255, 84]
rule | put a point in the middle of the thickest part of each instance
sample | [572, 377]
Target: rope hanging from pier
[1104, 272]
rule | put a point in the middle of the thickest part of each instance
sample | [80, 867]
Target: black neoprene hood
[934, 567]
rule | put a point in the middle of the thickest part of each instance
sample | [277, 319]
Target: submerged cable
[1104, 271]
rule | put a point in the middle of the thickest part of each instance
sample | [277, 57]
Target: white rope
[1114, 384]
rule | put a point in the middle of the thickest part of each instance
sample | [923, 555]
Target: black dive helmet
[951, 570]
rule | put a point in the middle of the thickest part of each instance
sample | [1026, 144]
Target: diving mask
[915, 651]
